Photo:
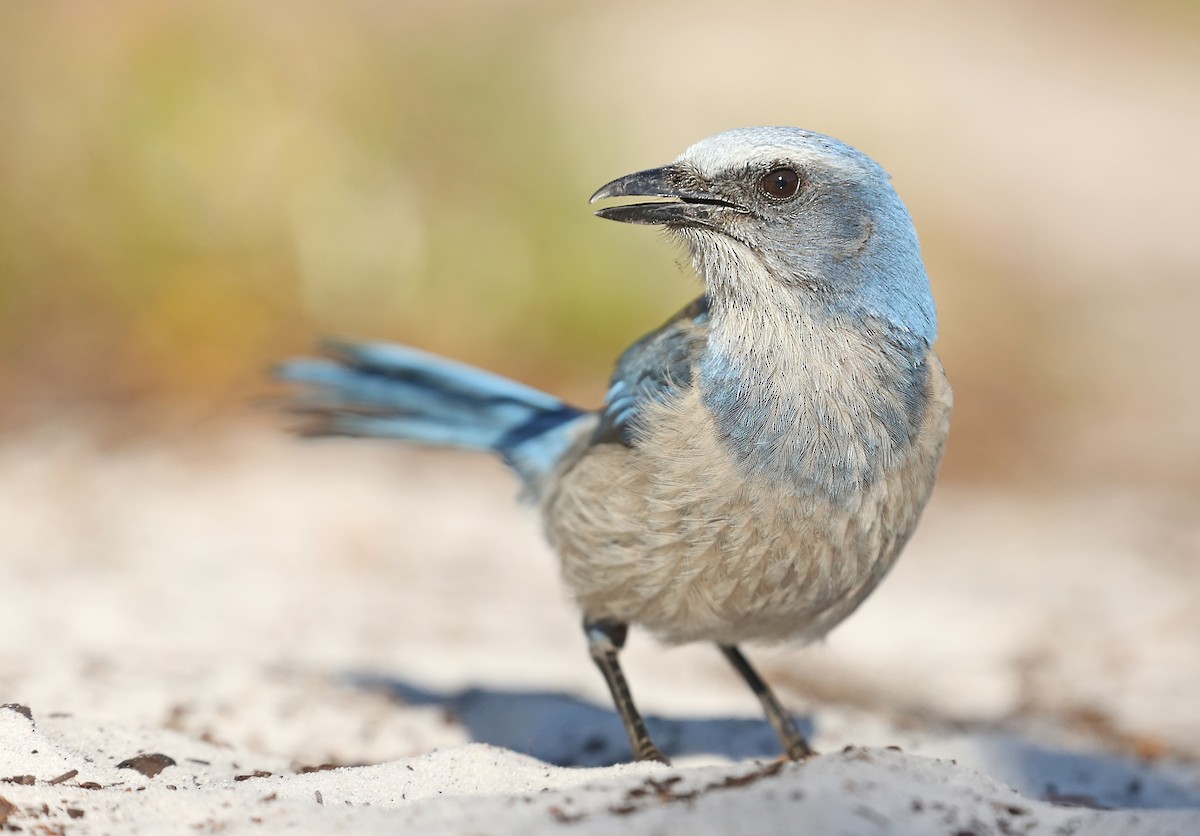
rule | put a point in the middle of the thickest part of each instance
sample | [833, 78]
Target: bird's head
[816, 215]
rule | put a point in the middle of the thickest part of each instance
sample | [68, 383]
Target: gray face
[816, 213]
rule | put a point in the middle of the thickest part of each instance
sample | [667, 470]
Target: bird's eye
[780, 183]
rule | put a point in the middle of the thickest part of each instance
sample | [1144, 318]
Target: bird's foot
[647, 751]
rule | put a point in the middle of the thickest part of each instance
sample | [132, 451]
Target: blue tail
[390, 391]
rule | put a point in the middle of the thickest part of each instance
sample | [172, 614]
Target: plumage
[391, 391]
[656, 365]
[762, 458]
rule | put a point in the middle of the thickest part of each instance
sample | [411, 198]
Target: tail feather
[390, 391]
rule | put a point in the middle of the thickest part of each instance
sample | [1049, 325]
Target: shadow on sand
[565, 731]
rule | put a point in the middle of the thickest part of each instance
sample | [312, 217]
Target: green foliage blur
[192, 191]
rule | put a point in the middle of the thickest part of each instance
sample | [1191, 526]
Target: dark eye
[780, 183]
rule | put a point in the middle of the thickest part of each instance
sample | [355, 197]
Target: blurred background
[191, 191]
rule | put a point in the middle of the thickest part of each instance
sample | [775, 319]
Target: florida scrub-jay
[761, 459]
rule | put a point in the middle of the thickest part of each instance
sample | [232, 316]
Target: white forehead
[765, 146]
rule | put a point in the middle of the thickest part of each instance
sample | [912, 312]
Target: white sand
[260, 605]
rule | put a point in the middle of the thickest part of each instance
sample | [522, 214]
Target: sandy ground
[257, 634]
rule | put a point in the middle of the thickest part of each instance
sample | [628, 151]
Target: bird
[760, 460]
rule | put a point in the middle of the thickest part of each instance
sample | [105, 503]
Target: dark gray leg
[606, 637]
[794, 744]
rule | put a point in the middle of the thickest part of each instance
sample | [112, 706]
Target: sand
[248, 633]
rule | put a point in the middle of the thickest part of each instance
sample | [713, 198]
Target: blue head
[820, 216]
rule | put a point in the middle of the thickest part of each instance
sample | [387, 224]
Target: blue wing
[660, 363]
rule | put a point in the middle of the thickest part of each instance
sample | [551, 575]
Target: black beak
[693, 204]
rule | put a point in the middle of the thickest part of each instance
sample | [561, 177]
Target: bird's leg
[605, 638]
[794, 744]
